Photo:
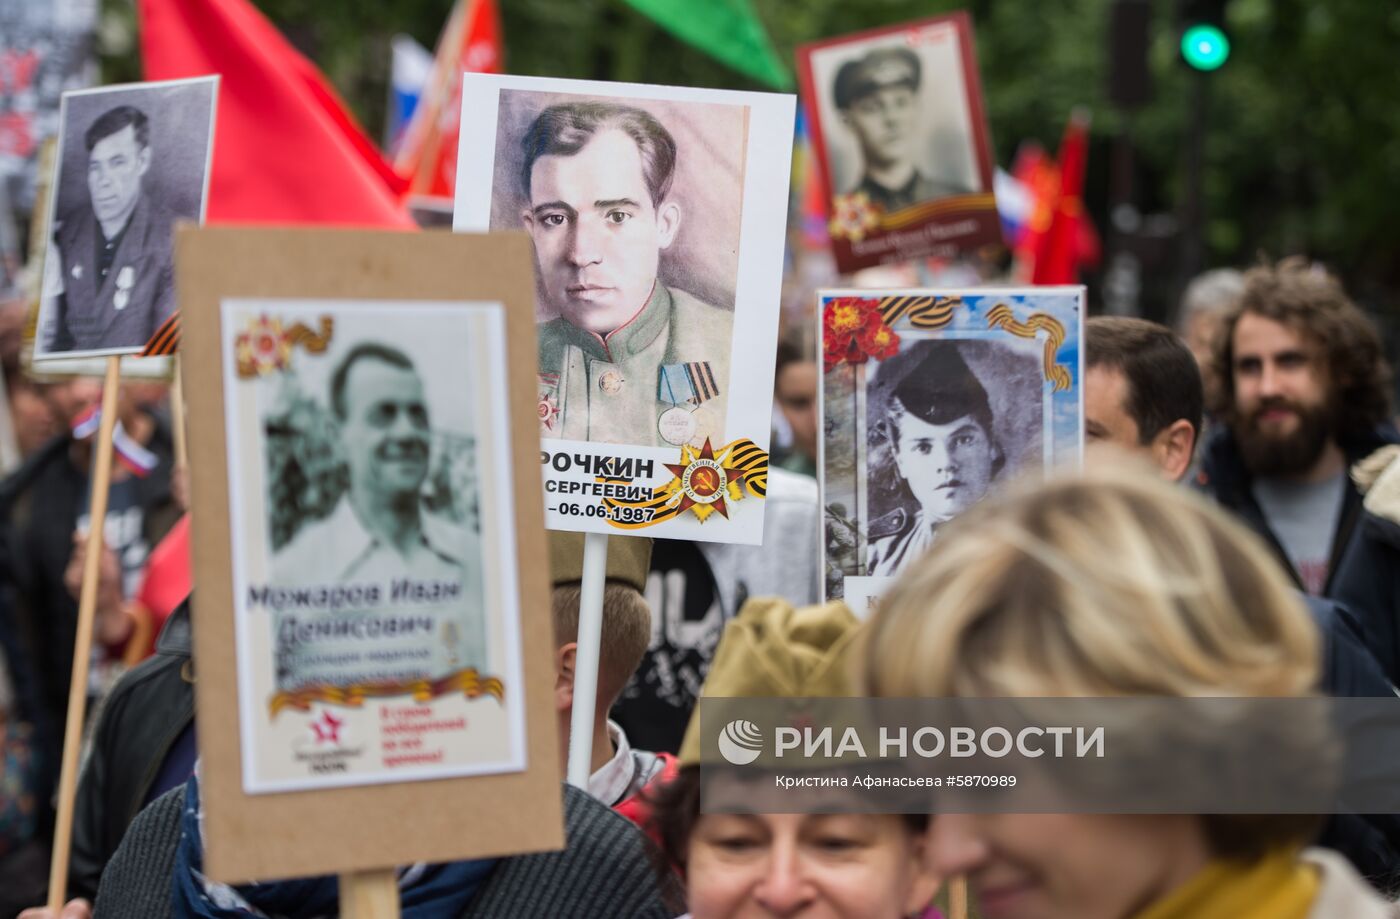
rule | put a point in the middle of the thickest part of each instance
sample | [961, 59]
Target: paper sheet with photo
[900, 137]
[657, 216]
[132, 160]
[378, 635]
[929, 400]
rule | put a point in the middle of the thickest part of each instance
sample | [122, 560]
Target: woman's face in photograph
[813, 866]
[948, 467]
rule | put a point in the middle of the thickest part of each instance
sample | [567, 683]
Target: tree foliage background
[1302, 150]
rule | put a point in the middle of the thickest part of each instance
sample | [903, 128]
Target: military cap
[876, 70]
[629, 559]
[772, 650]
[932, 382]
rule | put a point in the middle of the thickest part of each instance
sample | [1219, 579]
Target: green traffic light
[1205, 47]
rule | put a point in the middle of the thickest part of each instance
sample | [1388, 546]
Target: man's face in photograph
[948, 467]
[115, 167]
[598, 235]
[385, 429]
[883, 118]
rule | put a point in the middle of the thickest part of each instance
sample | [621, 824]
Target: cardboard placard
[658, 217]
[362, 706]
[900, 135]
[929, 399]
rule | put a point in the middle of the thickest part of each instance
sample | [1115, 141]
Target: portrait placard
[657, 217]
[132, 160]
[363, 463]
[901, 141]
[929, 398]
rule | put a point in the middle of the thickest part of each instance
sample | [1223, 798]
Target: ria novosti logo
[740, 742]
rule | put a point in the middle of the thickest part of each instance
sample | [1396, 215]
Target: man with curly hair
[1303, 394]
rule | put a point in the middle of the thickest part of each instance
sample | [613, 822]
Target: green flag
[727, 30]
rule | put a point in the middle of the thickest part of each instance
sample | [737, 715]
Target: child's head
[626, 617]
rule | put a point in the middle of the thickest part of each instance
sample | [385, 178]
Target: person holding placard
[629, 360]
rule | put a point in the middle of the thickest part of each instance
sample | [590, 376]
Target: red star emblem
[327, 728]
[704, 480]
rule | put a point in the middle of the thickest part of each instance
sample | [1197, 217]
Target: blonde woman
[1119, 585]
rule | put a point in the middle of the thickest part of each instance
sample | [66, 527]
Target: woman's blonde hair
[1110, 585]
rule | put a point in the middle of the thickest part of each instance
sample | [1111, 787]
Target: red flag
[285, 148]
[1040, 176]
[1070, 240]
[470, 43]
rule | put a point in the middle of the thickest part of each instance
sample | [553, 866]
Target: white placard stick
[82, 645]
[369, 894]
[589, 647]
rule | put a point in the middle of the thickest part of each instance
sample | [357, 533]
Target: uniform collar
[610, 783]
[632, 336]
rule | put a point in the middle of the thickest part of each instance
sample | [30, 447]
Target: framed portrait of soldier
[365, 466]
[929, 400]
[657, 221]
[132, 161]
[901, 141]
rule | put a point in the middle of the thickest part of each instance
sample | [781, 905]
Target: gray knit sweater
[605, 870]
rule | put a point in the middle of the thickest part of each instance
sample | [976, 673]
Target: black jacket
[1371, 842]
[146, 712]
[1224, 477]
[607, 868]
[1368, 578]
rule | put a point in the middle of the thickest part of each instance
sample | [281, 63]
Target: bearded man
[1304, 393]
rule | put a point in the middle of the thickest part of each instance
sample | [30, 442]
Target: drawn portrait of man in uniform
[939, 429]
[631, 356]
[109, 281]
[380, 536]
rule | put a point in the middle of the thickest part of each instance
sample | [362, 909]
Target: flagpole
[82, 643]
[429, 110]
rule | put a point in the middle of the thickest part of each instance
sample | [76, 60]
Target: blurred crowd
[1235, 538]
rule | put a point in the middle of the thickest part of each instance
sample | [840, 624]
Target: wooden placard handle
[957, 898]
[82, 645]
[177, 417]
[369, 894]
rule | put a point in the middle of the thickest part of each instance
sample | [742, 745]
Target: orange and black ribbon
[664, 502]
[468, 682]
[923, 312]
[166, 341]
[1003, 318]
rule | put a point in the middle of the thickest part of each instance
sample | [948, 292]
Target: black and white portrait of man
[133, 161]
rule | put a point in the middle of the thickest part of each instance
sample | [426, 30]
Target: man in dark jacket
[1303, 394]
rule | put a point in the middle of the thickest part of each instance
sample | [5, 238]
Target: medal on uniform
[704, 386]
[125, 279]
[676, 424]
[548, 407]
[610, 382]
